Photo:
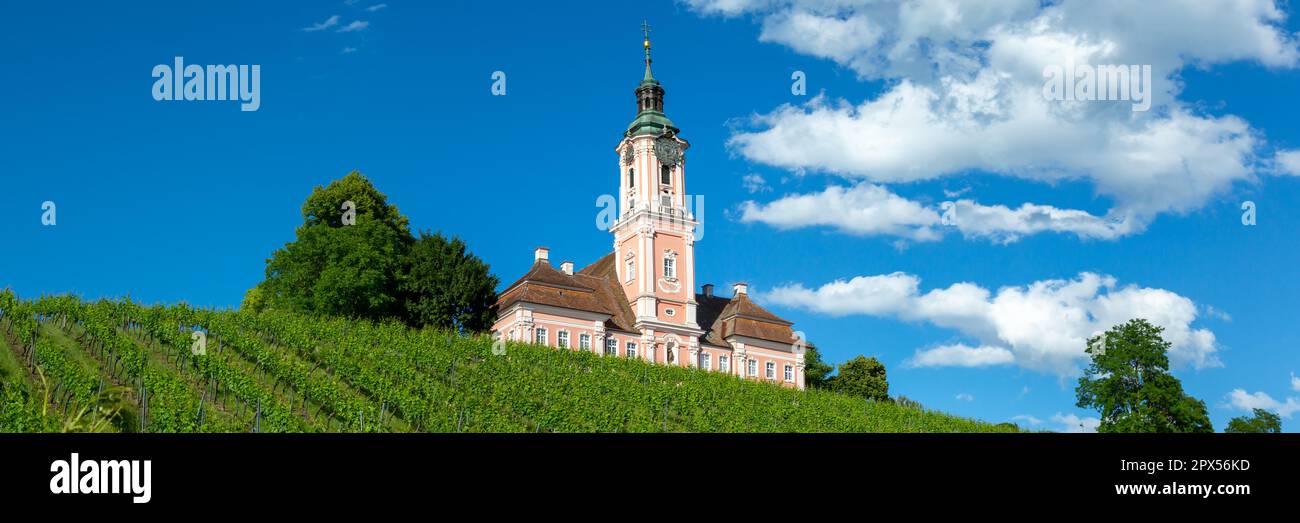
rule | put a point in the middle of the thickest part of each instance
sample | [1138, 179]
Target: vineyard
[117, 366]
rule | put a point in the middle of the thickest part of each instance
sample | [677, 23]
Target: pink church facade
[640, 301]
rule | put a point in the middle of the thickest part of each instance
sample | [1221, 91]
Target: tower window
[666, 175]
[631, 267]
[670, 268]
[631, 177]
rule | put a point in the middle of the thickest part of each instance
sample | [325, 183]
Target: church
[640, 300]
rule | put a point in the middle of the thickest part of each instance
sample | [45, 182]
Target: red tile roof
[596, 288]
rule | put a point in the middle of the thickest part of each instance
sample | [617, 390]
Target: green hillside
[68, 365]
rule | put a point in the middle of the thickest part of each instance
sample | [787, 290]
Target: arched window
[631, 177]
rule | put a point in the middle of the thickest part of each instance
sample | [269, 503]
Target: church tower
[654, 237]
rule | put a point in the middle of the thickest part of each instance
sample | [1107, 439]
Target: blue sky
[906, 108]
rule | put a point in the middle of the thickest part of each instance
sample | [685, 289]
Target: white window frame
[562, 339]
[611, 343]
[769, 370]
[630, 267]
[584, 341]
[541, 333]
[670, 267]
[789, 373]
[724, 364]
[630, 350]
[752, 367]
[706, 361]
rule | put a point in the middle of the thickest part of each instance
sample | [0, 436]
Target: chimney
[567, 267]
[542, 254]
[708, 290]
[739, 288]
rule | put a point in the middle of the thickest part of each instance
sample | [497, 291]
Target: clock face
[627, 155]
[669, 152]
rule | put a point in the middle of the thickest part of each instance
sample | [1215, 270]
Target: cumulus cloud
[864, 209]
[962, 356]
[867, 209]
[1031, 420]
[755, 183]
[1042, 326]
[964, 91]
[1287, 162]
[1241, 400]
[1073, 423]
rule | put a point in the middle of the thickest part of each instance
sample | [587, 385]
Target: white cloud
[864, 209]
[755, 183]
[1295, 382]
[1044, 325]
[1241, 400]
[356, 25]
[963, 91]
[1287, 162]
[320, 26]
[348, 50]
[376, 7]
[1072, 423]
[867, 209]
[962, 396]
[1027, 419]
[962, 356]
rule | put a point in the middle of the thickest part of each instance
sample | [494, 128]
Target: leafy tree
[815, 371]
[862, 376]
[354, 256]
[447, 286]
[1262, 421]
[1129, 383]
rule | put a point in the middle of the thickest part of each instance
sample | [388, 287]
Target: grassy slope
[538, 389]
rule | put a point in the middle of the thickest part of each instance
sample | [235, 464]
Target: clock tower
[654, 237]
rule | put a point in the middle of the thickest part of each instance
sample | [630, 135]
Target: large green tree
[862, 376]
[1262, 421]
[354, 256]
[1129, 384]
[816, 373]
[347, 267]
[447, 286]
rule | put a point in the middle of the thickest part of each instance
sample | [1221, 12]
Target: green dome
[650, 122]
